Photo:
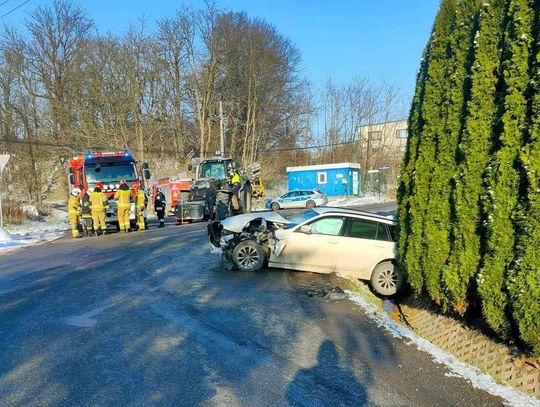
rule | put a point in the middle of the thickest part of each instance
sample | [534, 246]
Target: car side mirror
[305, 229]
[190, 167]
[71, 179]
[147, 174]
[145, 166]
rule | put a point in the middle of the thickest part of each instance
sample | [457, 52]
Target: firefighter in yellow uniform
[140, 203]
[123, 198]
[235, 185]
[74, 209]
[99, 203]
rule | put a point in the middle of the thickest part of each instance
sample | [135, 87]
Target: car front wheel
[386, 279]
[275, 206]
[248, 256]
[311, 204]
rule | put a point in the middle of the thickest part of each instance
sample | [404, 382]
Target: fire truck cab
[108, 168]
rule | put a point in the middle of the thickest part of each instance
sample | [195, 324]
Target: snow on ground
[470, 373]
[33, 232]
[356, 201]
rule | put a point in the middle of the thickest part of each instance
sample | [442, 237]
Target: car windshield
[110, 172]
[297, 217]
[215, 170]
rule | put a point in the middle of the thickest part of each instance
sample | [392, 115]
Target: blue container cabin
[341, 179]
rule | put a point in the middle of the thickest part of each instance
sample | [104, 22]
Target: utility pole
[4, 158]
[221, 130]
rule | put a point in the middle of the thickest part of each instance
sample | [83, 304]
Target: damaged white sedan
[322, 240]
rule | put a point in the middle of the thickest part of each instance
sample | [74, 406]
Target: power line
[153, 150]
[1, 4]
[12, 10]
[279, 150]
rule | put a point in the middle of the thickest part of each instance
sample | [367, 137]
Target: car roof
[349, 211]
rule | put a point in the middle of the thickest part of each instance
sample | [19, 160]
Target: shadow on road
[327, 383]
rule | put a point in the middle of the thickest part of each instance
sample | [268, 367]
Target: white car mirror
[305, 229]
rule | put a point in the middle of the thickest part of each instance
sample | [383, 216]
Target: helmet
[123, 181]
[75, 191]
[99, 185]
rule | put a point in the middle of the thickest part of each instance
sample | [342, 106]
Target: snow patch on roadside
[473, 375]
[5, 237]
[355, 201]
[33, 232]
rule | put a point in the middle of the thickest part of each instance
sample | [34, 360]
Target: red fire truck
[108, 168]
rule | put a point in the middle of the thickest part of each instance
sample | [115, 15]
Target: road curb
[505, 364]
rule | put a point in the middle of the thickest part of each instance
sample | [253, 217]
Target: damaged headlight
[225, 240]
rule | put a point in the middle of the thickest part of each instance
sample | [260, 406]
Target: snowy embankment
[355, 201]
[33, 232]
[473, 375]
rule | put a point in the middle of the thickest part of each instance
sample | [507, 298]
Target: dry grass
[14, 212]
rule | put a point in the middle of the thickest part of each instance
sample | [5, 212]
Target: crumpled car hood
[237, 223]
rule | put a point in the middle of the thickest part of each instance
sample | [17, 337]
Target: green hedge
[469, 191]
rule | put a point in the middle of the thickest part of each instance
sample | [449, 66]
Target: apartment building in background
[383, 143]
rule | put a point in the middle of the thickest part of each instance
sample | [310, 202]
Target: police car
[303, 198]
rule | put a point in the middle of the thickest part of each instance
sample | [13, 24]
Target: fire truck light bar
[91, 155]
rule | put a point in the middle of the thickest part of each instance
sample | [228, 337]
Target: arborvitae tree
[503, 175]
[524, 280]
[433, 109]
[415, 124]
[438, 216]
[473, 155]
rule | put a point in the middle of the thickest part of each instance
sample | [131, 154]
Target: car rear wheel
[386, 278]
[275, 206]
[248, 256]
[310, 204]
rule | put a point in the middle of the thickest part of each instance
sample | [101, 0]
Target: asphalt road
[152, 318]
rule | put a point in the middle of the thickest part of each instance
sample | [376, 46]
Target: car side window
[287, 195]
[362, 229]
[330, 225]
[393, 232]
[367, 229]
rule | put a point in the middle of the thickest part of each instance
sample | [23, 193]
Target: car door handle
[379, 245]
[330, 242]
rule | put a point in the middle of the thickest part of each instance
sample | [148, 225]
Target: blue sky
[377, 39]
